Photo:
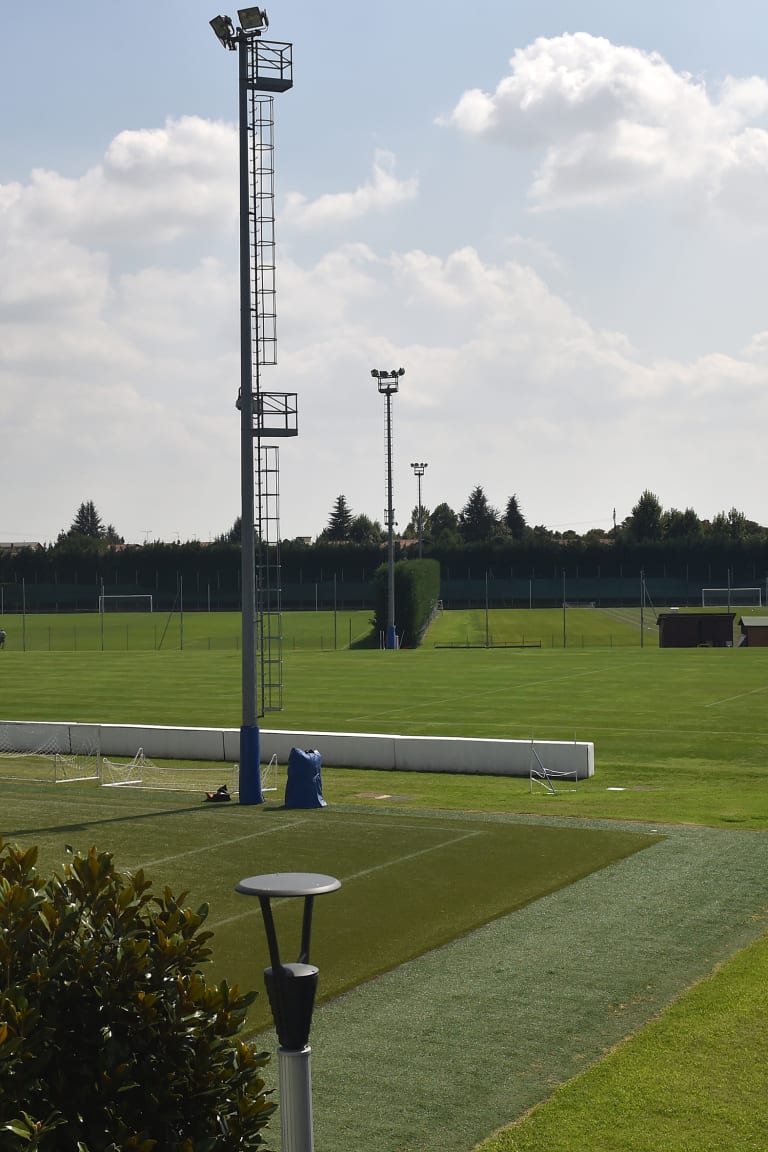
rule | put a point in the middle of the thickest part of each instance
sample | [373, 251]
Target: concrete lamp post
[291, 989]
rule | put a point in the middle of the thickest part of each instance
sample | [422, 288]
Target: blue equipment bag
[303, 786]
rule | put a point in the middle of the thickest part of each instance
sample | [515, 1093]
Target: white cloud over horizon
[119, 346]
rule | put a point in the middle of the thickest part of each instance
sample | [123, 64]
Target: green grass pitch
[490, 943]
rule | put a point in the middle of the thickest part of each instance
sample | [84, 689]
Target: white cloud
[117, 384]
[614, 121]
[757, 349]
[382, 192]
[153, 187]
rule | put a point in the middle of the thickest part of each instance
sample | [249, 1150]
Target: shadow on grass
[369, 642]
[82, 825]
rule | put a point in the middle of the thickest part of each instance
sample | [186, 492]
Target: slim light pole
[565, 642]
[389, 383]
[487, 620]
[418, 470]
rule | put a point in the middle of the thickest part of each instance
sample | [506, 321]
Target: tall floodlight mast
[388, 383]
[265, 67]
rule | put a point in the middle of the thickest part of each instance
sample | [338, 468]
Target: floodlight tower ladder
[269, 69]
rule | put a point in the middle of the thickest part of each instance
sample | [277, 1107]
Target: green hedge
[417, 590]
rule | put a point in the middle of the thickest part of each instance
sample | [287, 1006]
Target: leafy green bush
[110, 1037]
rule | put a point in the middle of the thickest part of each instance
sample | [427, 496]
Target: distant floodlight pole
[267, 68]
[291, 989]
[389, 383]
[418, 470]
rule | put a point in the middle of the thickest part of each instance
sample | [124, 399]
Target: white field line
[625, 616]
[741, 696]
[216, 924]
[208, 847]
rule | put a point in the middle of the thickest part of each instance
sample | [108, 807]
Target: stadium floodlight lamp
[253, 19]
[388, 381]
[225, 31]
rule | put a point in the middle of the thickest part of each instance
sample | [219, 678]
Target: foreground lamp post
[418, 471]
[389, 383]
[291, 989]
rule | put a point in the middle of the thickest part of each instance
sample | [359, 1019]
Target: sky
[553, 215]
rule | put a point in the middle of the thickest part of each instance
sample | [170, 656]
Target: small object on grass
[219, 796]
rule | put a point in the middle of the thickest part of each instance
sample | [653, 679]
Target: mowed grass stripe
[426, 691]
[362, 874]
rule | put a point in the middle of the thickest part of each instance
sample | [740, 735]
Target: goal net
[736, 597]
[142, 772]
[58, 753]
[133, 603]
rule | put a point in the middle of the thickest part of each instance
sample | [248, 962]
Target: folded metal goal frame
[546, 778]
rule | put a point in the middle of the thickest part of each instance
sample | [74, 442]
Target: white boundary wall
[340, 749]
[68, 739]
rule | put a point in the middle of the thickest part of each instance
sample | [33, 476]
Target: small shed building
[696, 629]
[754, 630]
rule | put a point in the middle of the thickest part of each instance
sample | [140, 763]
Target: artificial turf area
[438, 1053]
[657, 1089]
[410, 883]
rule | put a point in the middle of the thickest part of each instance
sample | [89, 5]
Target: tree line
[479, 522]
[472, 541]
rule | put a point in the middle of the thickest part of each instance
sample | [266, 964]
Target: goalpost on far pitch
[731, 597]
[138, 602]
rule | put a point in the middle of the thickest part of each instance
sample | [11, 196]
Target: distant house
[754, 631]
[696, 629]
[16, 546]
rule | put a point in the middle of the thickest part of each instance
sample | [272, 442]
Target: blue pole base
[250, 768]
[391, 638]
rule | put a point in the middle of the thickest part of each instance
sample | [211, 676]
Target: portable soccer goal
[143, 773]
[134, 602]
[269, 775]
[49, 753]
[549, 779]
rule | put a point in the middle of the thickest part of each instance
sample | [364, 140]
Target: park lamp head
[253, 19]
[225, 31]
